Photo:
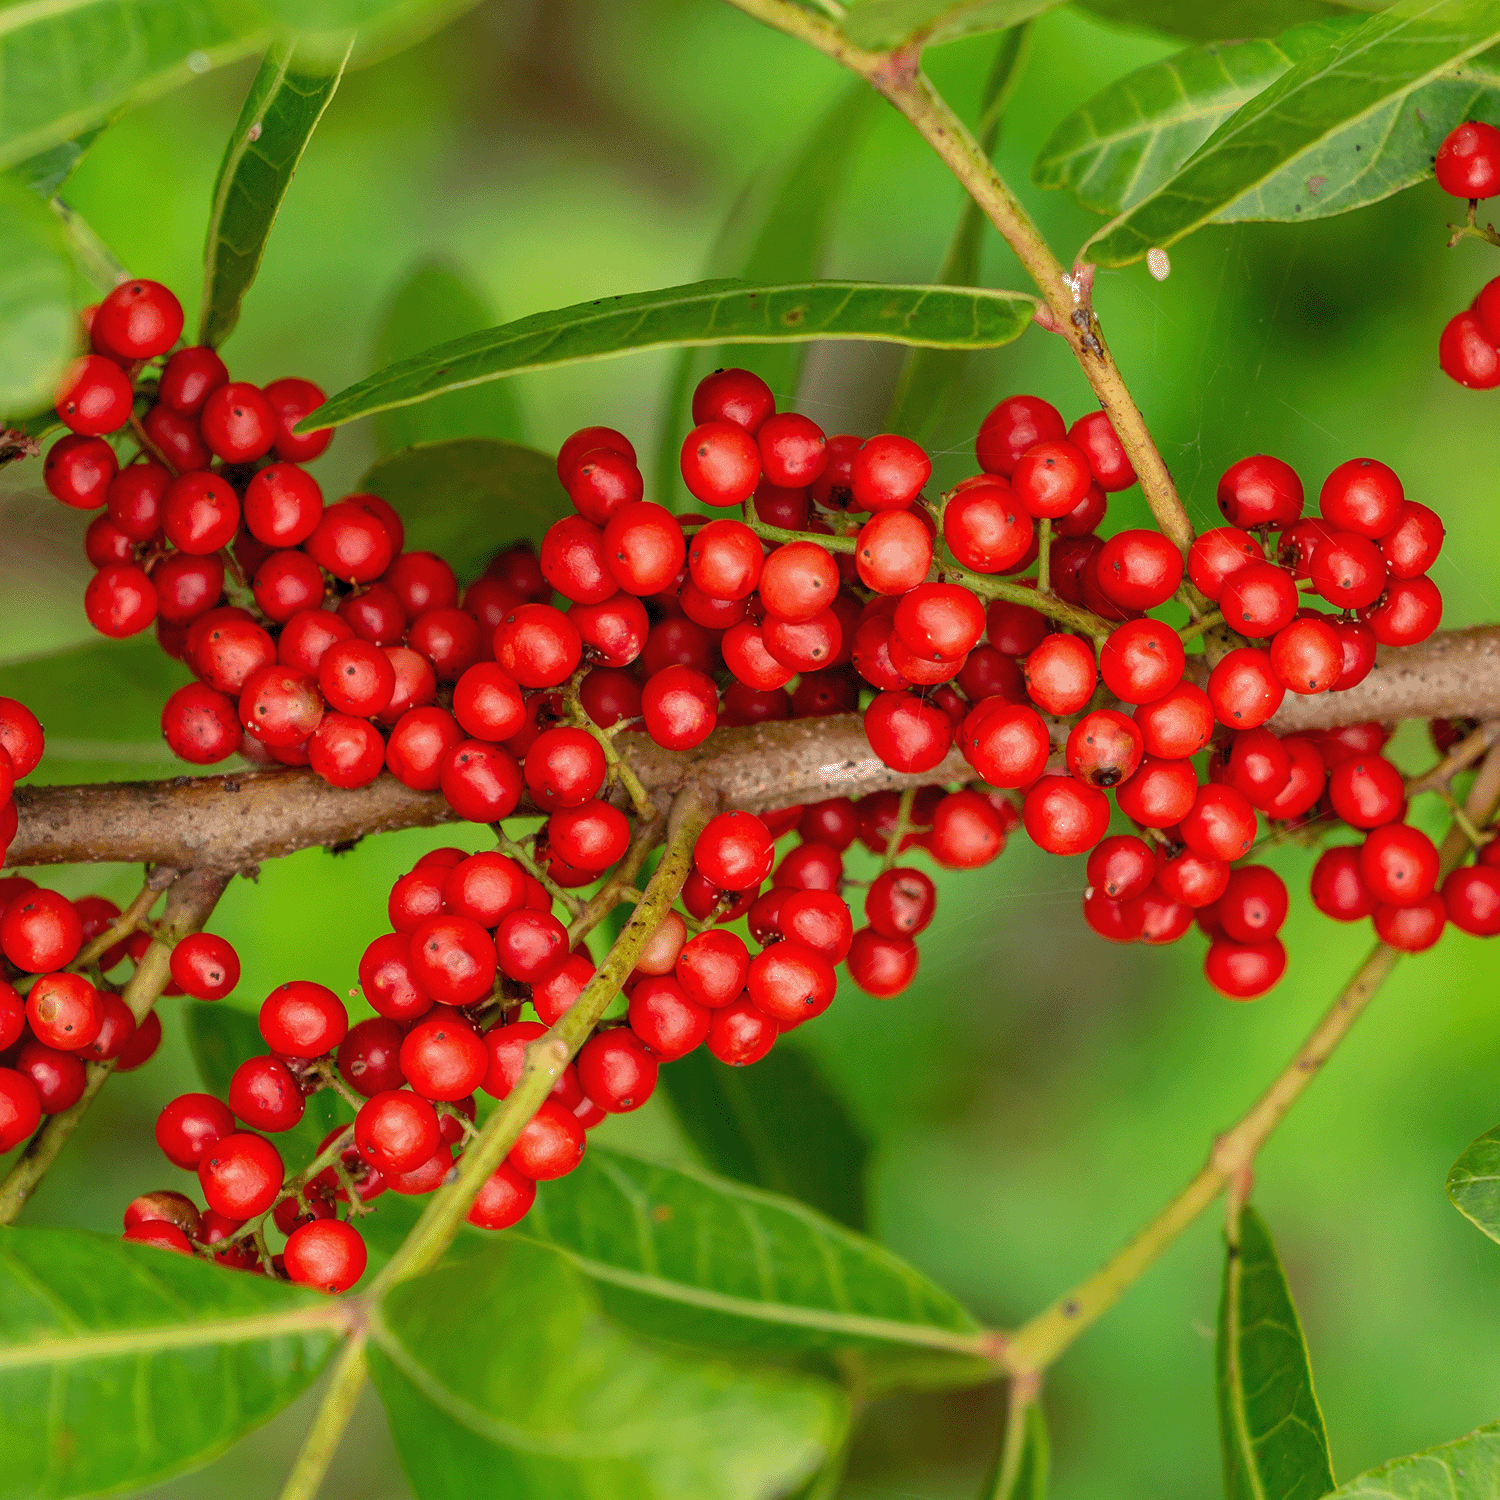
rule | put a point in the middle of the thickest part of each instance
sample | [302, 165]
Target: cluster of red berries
[59, 1010]
[1468, 166]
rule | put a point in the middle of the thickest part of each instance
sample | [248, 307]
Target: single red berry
[1104, 748]
[1337, 887]
[881, 966]
[1244, 688]
[59, 1078]
[987, 529]
[1260, 491]
[505, 1199]
[303, 1019]
[241, 1175]
[396, 1131]
[1471, 897]
[888, 473]
[1064, 816]
[1410, 611]
[1242, 971]
[894, 552]
[227, 651]
[1060, 674]
[1051, 478]
[94, 396]
[1095, 436]
[1362, 496]
[793, 450]
[1468, 162]
[735, 851]
[1160, 794]
[283, 505]
[1259, 599]
[40, 931]
[82, 472]
[680, 707]
[351, 541]
[120, 600]
[735, 396]
[1220, 825]
[176, 438]
[265, 1095]
[418, 747]
[1411, 546]
[537, 646]
[442, 1058]
[237, 423]
[328, 1254]
[453, 960]
[1013, 426]
[531, 945]
[64, 1011]
[550, 1145]
[1142, 661]
[190, 1125]
[720, 463]
[1139, 569]
[137, 320]
[603, 480]
[1121, 866]
[140, 1047]
[1398, 864]
[201, 725]
[1365, 791]
[791, 982]
[1348, 570]
[908, 734]
[279, 706]
[967, 831]
[205, 966]
[1411, 929]
[307, 635]
[189, 378]
[663, 1016]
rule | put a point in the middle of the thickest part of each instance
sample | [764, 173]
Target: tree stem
[327, 1430]
[1037, 1343]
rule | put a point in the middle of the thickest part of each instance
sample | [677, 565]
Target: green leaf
[437, 300]
[753, 1124]
[1025, 1457]
[1134, 134]
[929, 377]
[1474, 1183]
[886, 24]
[48, 170]
[697, 1258]
[1338, 131]
[64, 690]
[501, 1378]
[777, 231]
[221, 1037]
[121, 1364]
[38, 327]
[286, 100]
[1212, 20]
[1466, 1469]
[467, 498]
[69, 65]
[1270, 1425]
[707, 312]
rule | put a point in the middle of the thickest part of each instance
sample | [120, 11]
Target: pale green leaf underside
[565, 1404]
[68, 65]
[880, 24]
[710, 312]
[1466, 1469]
[121, 1364]
[38, 328]
[1474, 1183]
[1271, 1429]
[702, 1259]
[436, 300]
[286, 100]
[467, 498]
[1337, 131]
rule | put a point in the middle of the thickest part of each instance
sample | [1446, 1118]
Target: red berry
[537, 646]
[1468, 162]
[1060, 674]
[189, 1126]
[680, 707]
[1051, 478]
[1471, 897]
[453, 960]
[328, 1254]
[720, 463]
[735, 851]
[601, 481]
[1242, 971]
[442, 1058]
[1160, 794]
[505, 1199]
[1013, 426]
[396, 1131]
[351, 542]
[1411, 546]
[64, 1011]
[1221, 824]
[908, 734]
[665, 1018]
[1244, 688]
[120, 600]
[94, 396]
[176, 438]
[1348, 570]
[616, 1071]
[1410, 611]
[1177, 724]
[791, 982]
[1398, 864]
[369, 1057]
[81, 472]
[987, 529]
[303, 1019]
[137, 320]
[265, 1095]
[189, 378]
[205, 966]
[1307, 656]
[1103, 748]
[793, 449]
[881, 966]
[237, 423]
[1064, 816]
[241, 1175]
[967, 832]
[1362, 496]
[1337, 887]
[737, 396]
[894, 552]
[481, 782]
[1139, 569]
[283, 505]
[888, 473]
[1142, 661]
[1096, 437]
[1367, 791]
[1259, 599]
[1411, 929]
[551, 1144]
[201, 725]
[1260, 491]
[531, 945]
[40, 931]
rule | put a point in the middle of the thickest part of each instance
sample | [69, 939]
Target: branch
[233, 822]
[1068, 298]
[1037, 1343]
[190, 902]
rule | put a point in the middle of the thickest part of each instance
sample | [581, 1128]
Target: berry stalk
[1039, 1342]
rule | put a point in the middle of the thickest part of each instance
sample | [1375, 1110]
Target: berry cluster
[59, 1009]
[1468, 166]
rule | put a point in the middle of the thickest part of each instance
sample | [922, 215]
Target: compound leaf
[706, 312]
[1474, 1183]
[697, 1258]
[1271, 1430]
[1129, 139]
[69, 65]
[38, 327]
[121, 1364]
[778, 230]
[1341, 129]
[753, 1124]
[466, 498]
[880, 24]
[501, 1377]
[1466, 1469]
[286, 100]
[436, 300]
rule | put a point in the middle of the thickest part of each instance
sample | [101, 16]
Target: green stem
[329, 1156]
[125, 924]
[190, 902]
[902, 828]
[1037, 1343]
[1071, 615]
[829, 543]
[1200, 627]
[1044, 558]
[509, 847]
[621, 884]
[323, 1437]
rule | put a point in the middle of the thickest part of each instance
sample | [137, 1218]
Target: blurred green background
[1037, 1093]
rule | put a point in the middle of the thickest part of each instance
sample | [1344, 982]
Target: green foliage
[1133, 135]
[777, 231]
[1270, 1425]
[38, 328]
[437, 301]
[1474, 1183]
[72, 64]
[468, 497]
[755, 1125]
[1342, 129]
[929, 377]
[121, 1364]
[882, 24]
[48, 170]
[1212, 20]
[707, 312]
[221, 1037]
[285, 103]
[692, 1257]
[1466, 1469]
[501, 1377]
[64, 691]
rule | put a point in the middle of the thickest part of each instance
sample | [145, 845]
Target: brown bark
[234, 821]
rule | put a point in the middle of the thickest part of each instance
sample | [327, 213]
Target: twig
[1200, 626]
[323, 1437]
[128, 920]
[902, 828]
[1044, 557]
[189, 905]
[621, 884]
[532, 868]
[1459, 758]
[1037, 1343]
